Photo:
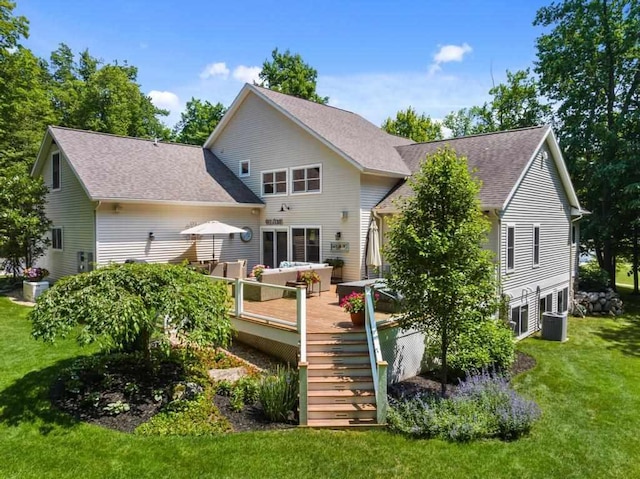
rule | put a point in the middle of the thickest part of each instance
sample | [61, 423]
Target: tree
[12, 28]
[288, 73]
[589, 65]
[409, 125]
[23, 223]
[122, 307]
[198, 121]
[516, 104]
[103, 98]
[435, 251]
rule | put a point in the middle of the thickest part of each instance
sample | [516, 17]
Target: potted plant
[353, 304]
[33, 284]
[309, 277]
[257, 270]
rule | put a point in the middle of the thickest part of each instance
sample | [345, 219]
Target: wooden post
[303, 392]
[239, 297]
[381, 393]
[301, 320]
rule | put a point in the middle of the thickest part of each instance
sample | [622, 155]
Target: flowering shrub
[354, 302]
[257, 270]
[485, 405]
[35, 274]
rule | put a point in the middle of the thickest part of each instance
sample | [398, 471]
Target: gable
[353, 138]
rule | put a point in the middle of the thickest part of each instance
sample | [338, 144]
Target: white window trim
[533, 244]
[240, 174]
[506, 249]
[304, 167]
[61, 238]
[59, 171]
[573, 234]
[292, 227]
[519, 307]
[272, 195]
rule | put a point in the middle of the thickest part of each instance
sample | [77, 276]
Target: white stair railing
[378, 365]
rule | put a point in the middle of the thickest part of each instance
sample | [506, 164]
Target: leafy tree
[435, 251]
[103, 98]
[123, 307]
[409, 124]
[589, 65]
[516, 104]
[23, 223]
[288, 73]
[12, 28]
[198, 121]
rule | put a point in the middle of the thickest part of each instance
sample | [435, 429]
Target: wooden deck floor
[324, 314]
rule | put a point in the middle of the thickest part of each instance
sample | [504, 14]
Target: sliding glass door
[274, 247]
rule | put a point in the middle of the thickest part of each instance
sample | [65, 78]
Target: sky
[372, 57]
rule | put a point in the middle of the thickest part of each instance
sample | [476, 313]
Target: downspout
[378, 220]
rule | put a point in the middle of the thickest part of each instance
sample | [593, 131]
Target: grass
[588, 389]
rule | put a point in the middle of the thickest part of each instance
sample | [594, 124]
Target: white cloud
[218, 69]
[166, 100]
[449, 53]
[247, 74]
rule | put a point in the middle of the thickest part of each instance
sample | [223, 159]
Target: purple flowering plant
[35, 274]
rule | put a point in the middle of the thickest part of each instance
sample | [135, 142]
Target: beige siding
[270, 141]
[372, 190]
[539, 199]
[68, 208]
[125, 234]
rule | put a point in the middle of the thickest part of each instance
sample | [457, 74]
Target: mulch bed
[429, 383]
[251, 418]
[142, 404]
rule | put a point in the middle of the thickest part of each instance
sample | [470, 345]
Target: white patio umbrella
[212, 228]
[373, 246]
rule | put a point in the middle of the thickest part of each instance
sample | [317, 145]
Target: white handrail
[372, 335]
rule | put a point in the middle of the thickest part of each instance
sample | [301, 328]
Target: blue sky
[372, 57]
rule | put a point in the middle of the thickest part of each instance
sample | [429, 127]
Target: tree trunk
[635, 260]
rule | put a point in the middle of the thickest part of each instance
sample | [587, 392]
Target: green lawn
[588, 389]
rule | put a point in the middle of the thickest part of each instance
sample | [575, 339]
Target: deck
[324, 314]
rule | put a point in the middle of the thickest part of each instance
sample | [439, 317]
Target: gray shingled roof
[116, 167]
[499, 159]
[362, 141]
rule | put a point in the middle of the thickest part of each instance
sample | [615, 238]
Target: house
[305, 179]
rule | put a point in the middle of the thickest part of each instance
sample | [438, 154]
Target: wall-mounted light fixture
[344, 215]
[117, 208]
[151, 236]
[338, 236]
[284, 208]
[255, 211]
[231, 235]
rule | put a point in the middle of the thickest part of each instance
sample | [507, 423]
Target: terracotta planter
[357, 318]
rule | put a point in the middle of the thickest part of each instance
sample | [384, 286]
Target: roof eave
[180, 203]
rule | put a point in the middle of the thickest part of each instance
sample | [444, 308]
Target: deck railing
[378, 365]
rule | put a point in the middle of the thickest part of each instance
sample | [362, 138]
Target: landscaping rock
[594, 303]
[231, 374]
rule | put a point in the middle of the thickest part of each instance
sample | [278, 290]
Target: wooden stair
[340, 383]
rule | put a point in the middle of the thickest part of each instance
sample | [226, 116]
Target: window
[563, 300]
[274, 182]
[305, 180]
[55, 168]
[306, 244]
[511, 247]
[574, 235]
[536, 245]
[245, 168]
[56, 239]
[520, 319]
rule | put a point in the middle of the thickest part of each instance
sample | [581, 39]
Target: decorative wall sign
[273, 221]
[339, 246]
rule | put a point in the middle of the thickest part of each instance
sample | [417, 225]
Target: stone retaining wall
[597, 303]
